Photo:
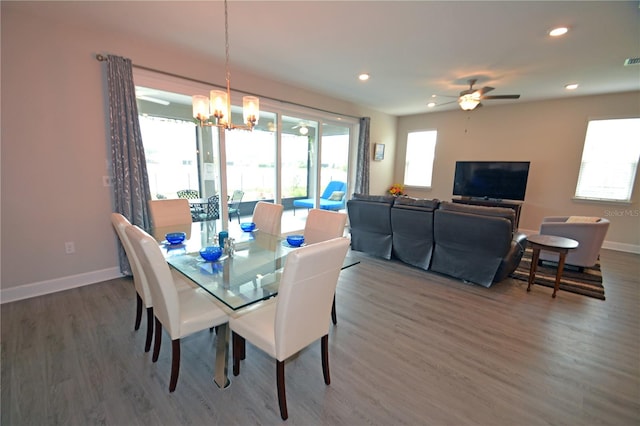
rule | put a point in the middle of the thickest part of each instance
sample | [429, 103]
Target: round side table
[560, 245]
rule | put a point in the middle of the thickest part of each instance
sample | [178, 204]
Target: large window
[609, 160]
[172, 155]
[418, 166]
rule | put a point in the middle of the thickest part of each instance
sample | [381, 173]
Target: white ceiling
[412, 49]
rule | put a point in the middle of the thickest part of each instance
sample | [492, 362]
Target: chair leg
[242, 346]
[158, 340]
[138, 312]
[282, 396]
[150, 318]
[235, 341]
[325, 358]
[175, 364]
[334, 317]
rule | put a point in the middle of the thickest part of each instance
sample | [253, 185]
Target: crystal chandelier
[216, 110]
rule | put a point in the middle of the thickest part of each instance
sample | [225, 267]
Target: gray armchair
[589, 232]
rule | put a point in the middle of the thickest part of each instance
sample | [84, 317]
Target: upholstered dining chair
[143, 295]
[170, 212]
[299, 315]
[181, 313]
[322, 225]
[268, 217]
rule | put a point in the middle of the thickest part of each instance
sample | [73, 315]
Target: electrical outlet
[69, 247]
[106, 180]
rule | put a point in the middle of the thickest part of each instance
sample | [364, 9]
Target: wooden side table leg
[534, 266]
[562, 256]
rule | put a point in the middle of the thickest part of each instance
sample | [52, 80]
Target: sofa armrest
[512, 259]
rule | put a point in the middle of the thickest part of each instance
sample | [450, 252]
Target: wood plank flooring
[410, 348]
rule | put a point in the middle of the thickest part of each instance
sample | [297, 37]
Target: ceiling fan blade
[485, 90]
[447, 103]
[501, 97]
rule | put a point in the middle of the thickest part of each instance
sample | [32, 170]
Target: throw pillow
[582, 219]
[336, 196]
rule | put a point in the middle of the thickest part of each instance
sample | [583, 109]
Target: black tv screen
[499, 180]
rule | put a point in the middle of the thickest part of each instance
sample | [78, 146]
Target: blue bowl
[295, 240]
[247, 226]
[211, 253]
[175, 237]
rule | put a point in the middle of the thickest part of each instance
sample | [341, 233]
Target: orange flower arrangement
[396, 190]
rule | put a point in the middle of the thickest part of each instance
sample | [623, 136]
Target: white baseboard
[41, 288]
[629, 248]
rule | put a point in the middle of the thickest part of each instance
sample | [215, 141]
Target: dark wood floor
[410, 348]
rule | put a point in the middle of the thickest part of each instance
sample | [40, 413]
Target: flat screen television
[495, 180]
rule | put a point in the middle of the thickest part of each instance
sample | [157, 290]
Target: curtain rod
[102, 58]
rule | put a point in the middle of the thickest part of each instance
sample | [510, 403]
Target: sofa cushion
[469, 246]
[582, 219]
[412, 227]
[389, 199]
[504, 212]
[370, 224]
[422, 204]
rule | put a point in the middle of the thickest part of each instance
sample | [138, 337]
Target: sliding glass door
[291, 154]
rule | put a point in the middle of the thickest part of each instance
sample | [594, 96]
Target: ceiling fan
[470, 99]
[304, 130]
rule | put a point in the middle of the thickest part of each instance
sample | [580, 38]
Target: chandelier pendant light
[216, 109]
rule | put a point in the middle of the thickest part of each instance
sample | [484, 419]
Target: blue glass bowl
[175, 237]
[211, 253]
[295, 240]
[247, 226]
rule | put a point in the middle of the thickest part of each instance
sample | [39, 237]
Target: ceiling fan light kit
[470, 99]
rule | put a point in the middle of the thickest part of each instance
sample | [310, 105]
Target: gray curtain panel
[364, 158]
[129, 166]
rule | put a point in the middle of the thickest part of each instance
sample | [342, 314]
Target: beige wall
[550, 134]
[54, 144]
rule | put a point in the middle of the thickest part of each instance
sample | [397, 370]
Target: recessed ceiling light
[363, 77]
[556, 32]
[431, 104]
[572, 86]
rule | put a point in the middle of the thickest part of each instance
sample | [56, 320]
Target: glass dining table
[238, 280]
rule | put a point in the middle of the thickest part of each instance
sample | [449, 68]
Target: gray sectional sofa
[472, 243]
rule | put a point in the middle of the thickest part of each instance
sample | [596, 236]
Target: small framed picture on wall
[378, 153]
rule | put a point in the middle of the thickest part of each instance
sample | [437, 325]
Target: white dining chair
[143, 295]
[322, 225]
[181, 313]
[170, 212]
[268, 217]
[299, 316]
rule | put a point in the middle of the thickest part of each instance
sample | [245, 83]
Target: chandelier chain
[226, 41]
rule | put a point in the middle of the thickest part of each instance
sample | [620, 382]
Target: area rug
[587, 283]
